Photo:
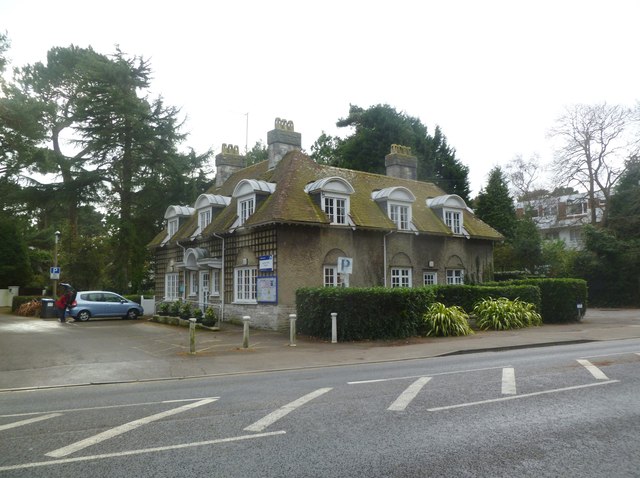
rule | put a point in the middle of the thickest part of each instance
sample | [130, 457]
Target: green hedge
[559, 298]
[363, 314]
[467, 296]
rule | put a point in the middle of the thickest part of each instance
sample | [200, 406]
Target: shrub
[174, 308]
[210, 317]
[467, 296]
[197, 313]
[504, 314]
[442, 321]
[185, 310]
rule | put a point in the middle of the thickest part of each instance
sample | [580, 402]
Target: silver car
[101, 303]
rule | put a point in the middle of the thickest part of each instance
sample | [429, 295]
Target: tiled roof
[290, 204]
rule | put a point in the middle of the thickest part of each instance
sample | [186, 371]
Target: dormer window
[453, 220]
[334, 198]
[335, 207]
[172, 226]
[397, 201]
[450, 208]
[204, 219]
[207, 205]
[246, 208]
[248, 193]
[175, 217]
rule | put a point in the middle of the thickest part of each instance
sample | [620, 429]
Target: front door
[204, 290]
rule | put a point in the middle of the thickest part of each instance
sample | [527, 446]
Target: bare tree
[594, 140]
[524, 175]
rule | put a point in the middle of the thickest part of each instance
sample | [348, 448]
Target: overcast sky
[495, 75]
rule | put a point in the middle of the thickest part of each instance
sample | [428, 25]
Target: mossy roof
[290, 204]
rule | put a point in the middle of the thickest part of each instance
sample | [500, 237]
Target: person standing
[63, 302]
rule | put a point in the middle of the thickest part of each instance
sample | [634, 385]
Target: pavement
[40, 353]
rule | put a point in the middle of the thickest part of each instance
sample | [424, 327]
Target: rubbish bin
[48, 309]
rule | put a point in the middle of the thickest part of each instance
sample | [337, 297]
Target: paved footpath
[38, 353]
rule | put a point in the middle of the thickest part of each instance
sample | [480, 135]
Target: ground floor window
[193, 283]
[244, 286]
[215, 282]
[171, 286]
[333, 279]
[401, 277]
[455, 276]
[430, 278]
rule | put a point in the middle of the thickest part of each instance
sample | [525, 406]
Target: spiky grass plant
[505, 314]
[442, 321]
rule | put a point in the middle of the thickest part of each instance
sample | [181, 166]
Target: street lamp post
[55, 262]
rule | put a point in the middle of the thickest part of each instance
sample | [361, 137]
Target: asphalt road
[569, 411]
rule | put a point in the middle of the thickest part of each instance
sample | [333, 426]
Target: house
[263, 231]
[562, 217]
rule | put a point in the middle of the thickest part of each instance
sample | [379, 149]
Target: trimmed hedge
[467, 296]
[363, 314]
[559, 298]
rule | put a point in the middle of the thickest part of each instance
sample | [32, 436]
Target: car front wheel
[132, 314]
[83, 315]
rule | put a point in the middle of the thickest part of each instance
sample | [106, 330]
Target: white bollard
[245, 334]
[292, 330]
[192, 336]
[334, 328]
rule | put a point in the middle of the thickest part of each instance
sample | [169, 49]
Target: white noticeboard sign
[267, 289]
[54, 273]
[345, 265]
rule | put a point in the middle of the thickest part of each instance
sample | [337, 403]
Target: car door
[114, 305]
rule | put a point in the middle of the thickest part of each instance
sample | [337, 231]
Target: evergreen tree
[380, 126]
[495, 206]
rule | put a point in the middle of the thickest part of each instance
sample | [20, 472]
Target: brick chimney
[228, 162]
[281, 140]
[400, 163]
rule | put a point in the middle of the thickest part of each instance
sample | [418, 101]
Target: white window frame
[336, 206]
[401, 277]
[246, 207]
[245, 285]
[172, 227]
[204, 218]
[453, 220]
[214, 282]
[171, 284]
[455, 276]
[400, 214]
[331, 277]
[429, 278]
[193, 283]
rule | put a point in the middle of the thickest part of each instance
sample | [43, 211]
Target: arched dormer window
[450, 208]
[175, 216]
[397, 202]
[333, 194]
[206, 206]
[248, 192]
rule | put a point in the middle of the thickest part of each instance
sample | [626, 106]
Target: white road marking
[408, 395]
[526, 395]
[106, 407]
[419, 376]
[508, 381]
[595, 371]
[285, 410]
[139, 452]
[29, 421]
[106, 435]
